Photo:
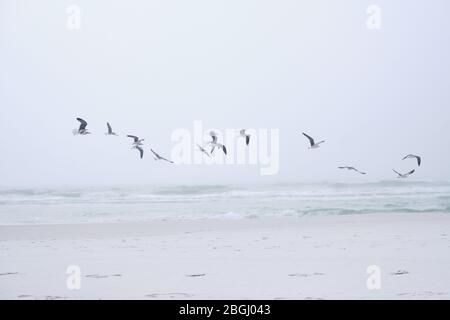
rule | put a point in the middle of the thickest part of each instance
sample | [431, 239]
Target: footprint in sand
[322, 245]
[399, 272]
[55, 298]
[305, 275]
[271, 247]
[96, 276]
[8, 273]
[196, 275]
[101, 276]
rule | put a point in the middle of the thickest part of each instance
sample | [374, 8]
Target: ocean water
[92, 205]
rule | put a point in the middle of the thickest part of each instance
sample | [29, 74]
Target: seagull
[218, 145]
[158, 157]
[314, 145]
[82, 129]
[137, 142]
[110, 132]
[352, 168]
[215, 144]
[203, 150]
[245, 135]
[141, 151]
[213, 136]
[412, 156]
[403, 176]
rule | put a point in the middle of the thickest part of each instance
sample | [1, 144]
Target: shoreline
[179, 225]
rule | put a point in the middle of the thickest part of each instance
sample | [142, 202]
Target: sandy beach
[316, 257]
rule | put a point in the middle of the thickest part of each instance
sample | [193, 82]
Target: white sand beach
[316, 257]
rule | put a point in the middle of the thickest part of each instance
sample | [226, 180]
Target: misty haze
[307, 142]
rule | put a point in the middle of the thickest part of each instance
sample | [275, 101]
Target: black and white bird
[214, 144]
[141, 151]
[203, 150]
[403, 176]
[82, 129]
[242, 133]
[158, 157]
[110, 131]
[213, 136]
[413, 156]
[314, 145]
[352, 169]
[137, 142]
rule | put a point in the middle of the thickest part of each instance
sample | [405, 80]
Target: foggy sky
[151, 67]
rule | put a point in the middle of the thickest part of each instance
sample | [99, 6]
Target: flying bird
[218, 145]
[214, 144]
[213, 136]
[82, 129]
[242, 133]
[413, 156]
[403, 176]
[141, 151]
[110, 132]
[352, 168]
[203, 150]
[137, 142]
[158, 157]
[314, 145]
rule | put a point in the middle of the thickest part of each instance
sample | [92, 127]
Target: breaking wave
[220, 201]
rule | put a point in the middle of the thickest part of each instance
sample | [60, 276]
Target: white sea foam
[30, 206]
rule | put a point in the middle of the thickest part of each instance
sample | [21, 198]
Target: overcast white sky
[150, 67]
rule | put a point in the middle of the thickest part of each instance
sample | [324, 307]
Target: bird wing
[311, 140]
[136, 139]
[141, 151]
[247, 139]
[397, 172]
[83, 124]
[156, 155]
[410, 156]
[203, 150]
[170, 161]
[159, 157]
[109, 128]
[224, 149]
[411, 172]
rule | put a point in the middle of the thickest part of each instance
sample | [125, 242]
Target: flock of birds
[137, 142]
[138, 145]
[315, 145]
